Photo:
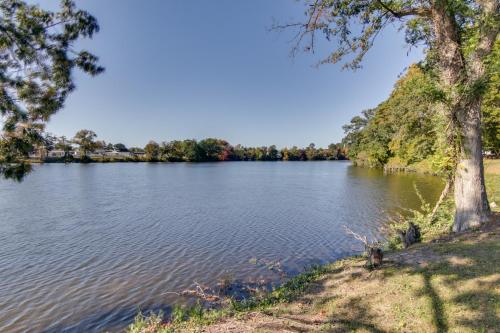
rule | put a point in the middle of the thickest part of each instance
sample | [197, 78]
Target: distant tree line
[212, 149]
[87, 146]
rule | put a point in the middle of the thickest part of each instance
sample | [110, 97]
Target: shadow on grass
[439, 317]
[457, 292]
[463, 264]
[358, 318]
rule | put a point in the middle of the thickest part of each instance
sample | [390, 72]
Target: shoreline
[117, 160]
[303, 294]
[347, 278]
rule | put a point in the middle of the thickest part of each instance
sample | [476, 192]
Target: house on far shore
[489, 154]
[56, 153]
[42, 154]
[38, 153]
[139, 153]
[116, 153]
[34, 156]
[97, 153]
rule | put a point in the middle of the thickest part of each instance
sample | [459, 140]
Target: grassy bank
[448, 284]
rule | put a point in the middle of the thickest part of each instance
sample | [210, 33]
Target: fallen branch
[373, 250]
[362, 238]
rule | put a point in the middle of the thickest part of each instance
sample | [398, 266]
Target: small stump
[410, 236]
[375, 257]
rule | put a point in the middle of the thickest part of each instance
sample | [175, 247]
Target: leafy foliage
[406, 130]
[190, 150]
[491, 104]
[86, 140]
[152, 150]
[430, 225]
[212, 149]
[151, 323]
[400, 128]
[37, 59]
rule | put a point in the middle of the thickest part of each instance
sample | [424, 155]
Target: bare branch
[362, 238]
[417, 11]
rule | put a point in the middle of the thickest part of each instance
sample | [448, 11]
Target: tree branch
[490, 27]
[418, 11]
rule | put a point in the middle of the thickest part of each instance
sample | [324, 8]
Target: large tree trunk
[470, 192]
[471, 202]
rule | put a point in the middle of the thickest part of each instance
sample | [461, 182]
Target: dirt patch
[492, 167]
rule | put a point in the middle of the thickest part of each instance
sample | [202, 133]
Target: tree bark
[471, 202]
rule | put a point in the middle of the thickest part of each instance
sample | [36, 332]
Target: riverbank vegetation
[86, 148]
[406, 133]
[447, 285]
[38, 58]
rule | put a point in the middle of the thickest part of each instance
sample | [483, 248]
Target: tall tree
[86, 140]
[152, 150]
[311, 152]
[64, 145]
[120, 147]
[402, 130]
[212, 149]
[459, 35]
[37, 59]
[191, 151]
[272, 153]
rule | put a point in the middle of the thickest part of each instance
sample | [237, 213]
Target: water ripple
[83, 246]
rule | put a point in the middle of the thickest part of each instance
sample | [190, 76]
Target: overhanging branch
[417, 11]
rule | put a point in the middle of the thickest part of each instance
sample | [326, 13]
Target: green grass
[492, 177]
[196, 316]
[457, 293]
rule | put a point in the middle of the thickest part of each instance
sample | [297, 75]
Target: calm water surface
[82, 247]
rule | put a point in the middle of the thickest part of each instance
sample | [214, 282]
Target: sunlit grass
[492, 175]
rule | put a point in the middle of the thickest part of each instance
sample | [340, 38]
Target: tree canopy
[190, 150]
[405, 130]
[85, 139]
[37, 59]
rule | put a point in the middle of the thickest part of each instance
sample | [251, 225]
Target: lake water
[82, 247]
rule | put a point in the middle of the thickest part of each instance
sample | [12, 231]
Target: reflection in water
[83, 246]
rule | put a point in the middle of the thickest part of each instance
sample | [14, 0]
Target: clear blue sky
[179, 69]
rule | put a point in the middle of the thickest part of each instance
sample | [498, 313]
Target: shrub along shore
[449, 282]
